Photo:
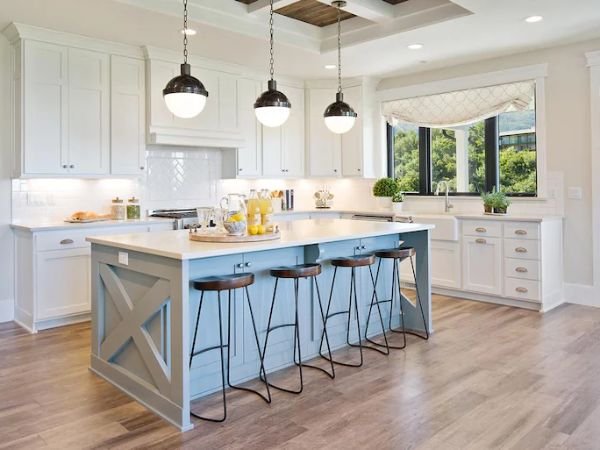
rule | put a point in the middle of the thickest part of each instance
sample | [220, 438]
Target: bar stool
[295, 273]
[353, 262]
[219, 284]
[398, 255]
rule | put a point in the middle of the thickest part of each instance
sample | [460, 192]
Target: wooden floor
[490, 377]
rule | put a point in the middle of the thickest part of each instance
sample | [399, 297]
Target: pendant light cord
[339, 43]
[272, 53]
[185, 35]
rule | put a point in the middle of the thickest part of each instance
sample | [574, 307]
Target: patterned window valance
[459, 108]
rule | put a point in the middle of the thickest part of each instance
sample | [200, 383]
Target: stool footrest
[280, 326]
[209, 349]
[337, 314]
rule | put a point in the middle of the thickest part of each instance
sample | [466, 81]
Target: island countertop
[177, 245]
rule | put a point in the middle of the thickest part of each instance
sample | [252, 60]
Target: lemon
[261, 229]
[253, 229]
[237, 217]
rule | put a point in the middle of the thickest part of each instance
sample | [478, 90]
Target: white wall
[6, 240]
[568, 135]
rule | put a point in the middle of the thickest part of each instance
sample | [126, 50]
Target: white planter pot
[384, 203]
[397, 207]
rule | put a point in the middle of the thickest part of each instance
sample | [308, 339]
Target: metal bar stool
[219, 284]
[353, 262]
[398, 255]
[295, 273]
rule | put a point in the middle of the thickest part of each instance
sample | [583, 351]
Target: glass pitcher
[234, 213]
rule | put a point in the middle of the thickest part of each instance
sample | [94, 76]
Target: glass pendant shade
[339, 116]
[272, 108]
[185, 95]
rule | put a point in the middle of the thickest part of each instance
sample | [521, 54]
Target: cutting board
[228, 239]
[97, 219]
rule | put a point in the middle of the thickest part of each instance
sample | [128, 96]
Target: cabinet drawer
[62, 239]
[482, 228]
[522, 268]
[521, 249]
[522, 289]
[521, 230]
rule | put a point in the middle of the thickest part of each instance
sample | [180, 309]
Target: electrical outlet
[575, 193]
[124, 258]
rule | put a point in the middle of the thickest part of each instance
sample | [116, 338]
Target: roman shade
[459, 108]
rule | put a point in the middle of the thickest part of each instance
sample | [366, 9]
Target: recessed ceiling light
[534, 19]
[189, 32]
[415, 46]
[330, 66]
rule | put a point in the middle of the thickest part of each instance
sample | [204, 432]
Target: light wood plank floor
[491, 377]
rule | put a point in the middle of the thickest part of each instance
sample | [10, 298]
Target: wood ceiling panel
[313, 12]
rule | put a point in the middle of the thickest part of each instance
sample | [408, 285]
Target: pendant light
[339, 116]
[272, 108]
[185, 95]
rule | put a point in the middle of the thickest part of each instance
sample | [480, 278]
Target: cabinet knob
[248, 264]
[522, 290]
[480, 230]
[363, 247]
[240, 169]
[521, 232]
[72, 166]
[358, 170]
[64, 166]
[521, 250]
[240, 265]
[142, 167]
[481, 241]
[521, 269]
[335, 170]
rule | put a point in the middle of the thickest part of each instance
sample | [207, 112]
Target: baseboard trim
[7, 310]
[581, 294]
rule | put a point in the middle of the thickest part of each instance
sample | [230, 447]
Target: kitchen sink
[446, 225]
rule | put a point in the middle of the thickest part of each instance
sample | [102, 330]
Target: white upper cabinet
[284, 147]
[324, 148]
[216, 126]
[127, 130]
[43, 76]
[352, 141]
[88, 112]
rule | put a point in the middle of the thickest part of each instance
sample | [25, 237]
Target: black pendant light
[185, 95]
[272, 108]
[339, 116]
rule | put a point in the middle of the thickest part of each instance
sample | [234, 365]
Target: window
[472, 157]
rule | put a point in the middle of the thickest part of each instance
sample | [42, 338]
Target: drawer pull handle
[521, 250]
[481, 241]
[480, 230]
[521, 269]
[66, 241]
[521, 232]
[522, 290]
[240, 266]
[248, 264]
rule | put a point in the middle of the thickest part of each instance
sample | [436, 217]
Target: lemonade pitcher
[235, 213]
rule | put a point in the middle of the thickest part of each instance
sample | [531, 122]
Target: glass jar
[117, 209]
[253, 208]
[133, 208]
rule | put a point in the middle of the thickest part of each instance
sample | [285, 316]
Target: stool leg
[222, 369]
[264, 379]
[196, 329]
[356, 314]
[426, 337]
[375, 300]
[268, 398]
[324, 318]
[403, 329]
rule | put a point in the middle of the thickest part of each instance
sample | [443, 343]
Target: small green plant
[499, 202]
[488, 202]
[385, 187]
[398, 197]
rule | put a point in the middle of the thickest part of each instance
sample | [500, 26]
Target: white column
[462, 159]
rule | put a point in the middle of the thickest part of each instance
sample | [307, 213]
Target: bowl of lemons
[235, 223]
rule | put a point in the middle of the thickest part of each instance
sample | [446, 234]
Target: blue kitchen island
[144, 308]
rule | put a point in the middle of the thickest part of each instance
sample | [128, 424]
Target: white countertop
[177, 245]
[52, 225]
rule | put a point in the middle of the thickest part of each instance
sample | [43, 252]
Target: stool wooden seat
[223, 283]
[396, 253]
[354, 261]
[298, 271]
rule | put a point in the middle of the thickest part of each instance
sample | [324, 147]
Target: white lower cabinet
[482, 265]
[52, 277]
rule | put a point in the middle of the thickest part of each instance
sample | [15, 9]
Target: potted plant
[500, 202]
[488, 204]
[397, 201]
[384, 189]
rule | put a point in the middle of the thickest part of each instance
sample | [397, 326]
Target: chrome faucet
[447, 205]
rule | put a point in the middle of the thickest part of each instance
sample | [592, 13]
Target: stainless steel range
[183, 218]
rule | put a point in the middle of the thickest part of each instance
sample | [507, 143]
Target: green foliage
[487, 199]
[517, 168]
[385, 187]
[498, 200]
[398, 197]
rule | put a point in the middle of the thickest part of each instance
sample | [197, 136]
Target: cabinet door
[352, 141]
[63, 285]
[45, 111]
[293, 149]
[127, 137]
[89, 113]
[324, 146]
[249, 156]
[272, 140]
[445, 264]
[208, 119]
[228, 102]
[160, 73]
[482, 265]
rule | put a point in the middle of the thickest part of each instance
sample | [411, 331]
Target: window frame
[491, 161]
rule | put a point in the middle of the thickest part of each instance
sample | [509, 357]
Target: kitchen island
[144, 308]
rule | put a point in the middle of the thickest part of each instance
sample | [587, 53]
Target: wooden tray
[98, 219]
[226, 238]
